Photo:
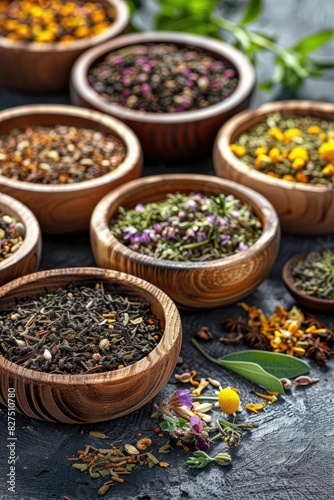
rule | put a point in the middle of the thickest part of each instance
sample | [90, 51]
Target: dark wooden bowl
[302, 208]
[46, 67]
[321, 305]
[168, 136]
[93, 397]
[26, 259]
[192, 285]
[67, 208]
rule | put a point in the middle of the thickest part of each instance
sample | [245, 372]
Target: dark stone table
[290, 455]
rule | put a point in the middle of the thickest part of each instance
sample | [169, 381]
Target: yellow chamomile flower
[299, 152]
[276, 133]
[238, 150]
[291, 133]
[228, 400]
[314, 130]
[328, 169]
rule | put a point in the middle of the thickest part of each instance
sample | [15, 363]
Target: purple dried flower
[202, 443]
[229, 73]
[147, 236]
[235, 215]
[145, 89]
[196, 425]
[243, 247]
[139, 207]
[128, 232]
[184, 397]
[200, 236]
[224, 239]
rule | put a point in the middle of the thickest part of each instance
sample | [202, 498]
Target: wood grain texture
[302, 209]
[313, 303]
[67, 208]
[191, 285]
[42, 68]
[95, 397]
[27, 258]
[172, 136]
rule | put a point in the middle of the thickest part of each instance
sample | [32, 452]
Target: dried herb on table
[188, 228]
[78, 330]
[286, 332]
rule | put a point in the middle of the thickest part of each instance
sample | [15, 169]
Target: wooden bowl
[302, 209]
[321, 305]
[93, 397]
[192, 285]
[46, 67]
[168, 136]
[67, 208]
[26, 259]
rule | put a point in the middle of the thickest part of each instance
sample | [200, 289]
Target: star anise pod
[237, 325]
[257, 340]
[318, 350]
[311, 320]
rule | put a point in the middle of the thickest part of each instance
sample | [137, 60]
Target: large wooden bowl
[314, 303]
[302, 209]
[26, 259]
[168, 136]
[67, 208]
[46, 67]
[95, 397]
[192, 285]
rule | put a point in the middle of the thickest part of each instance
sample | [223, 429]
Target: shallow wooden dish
[67, 208]
[322, 305]
[191, 285]
[95, 397]
[302, 209]
[172, 136]
[26, 259]
[46, 67]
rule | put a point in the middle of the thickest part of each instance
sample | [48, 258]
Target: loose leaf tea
[12, 235]
[192, 227]
[162, 78]
[49, 21]
[59, 155]
[314, 275]
[291, 148]
[79, 330]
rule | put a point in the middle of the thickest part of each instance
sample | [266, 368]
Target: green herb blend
[291, 148]
[314, 275]
[192, 227]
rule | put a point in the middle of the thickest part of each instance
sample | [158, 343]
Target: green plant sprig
[293, 65]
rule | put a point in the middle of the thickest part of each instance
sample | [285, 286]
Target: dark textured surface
[289, 457]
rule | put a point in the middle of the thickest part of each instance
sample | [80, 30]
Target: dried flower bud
[204, 333]
[305, 380]
[47, 355]
[202, 385]
[103, 344]
[132, 450]
[214, 382]
[184, 377]
[20, 343]
[286, 383]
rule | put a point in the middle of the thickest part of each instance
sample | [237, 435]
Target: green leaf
[255, 373]
[277, 364]
[253, 10]
[312, 42]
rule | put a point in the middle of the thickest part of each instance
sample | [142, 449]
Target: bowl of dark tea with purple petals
[174, 90]
[309, 277]
[82, 345]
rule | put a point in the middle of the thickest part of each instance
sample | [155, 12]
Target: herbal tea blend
[291, 148]
[314, 275]
[59, 154]
[49, 21]
[162, 78]
[12, 235]
[79, 330]
[192, 227]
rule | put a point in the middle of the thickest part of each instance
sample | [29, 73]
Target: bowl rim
[100, 217]
[133, 156]
[119, 25]
[32, 229]
[318, 303]
[172, 328]
[79, 83]
[241, 120]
